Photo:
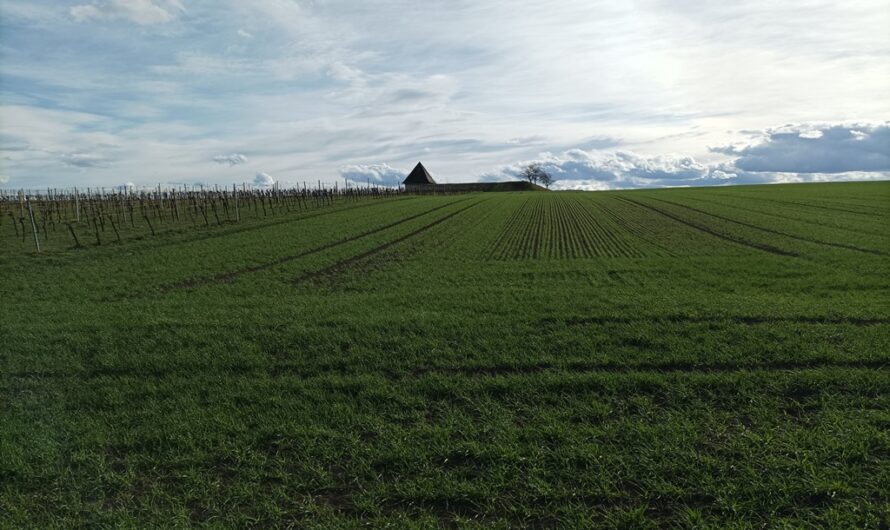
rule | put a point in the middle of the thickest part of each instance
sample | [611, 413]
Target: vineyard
[703, 357]
[49, 217]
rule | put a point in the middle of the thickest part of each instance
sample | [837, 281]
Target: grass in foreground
[692, 358]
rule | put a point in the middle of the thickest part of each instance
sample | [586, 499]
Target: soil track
[758, 246]
[688, 319]
[810, 205]
[777, 232]
[736, 206]
[631, 368]
[494, 370]
[231, 228]
[340, 265]
[229, 276]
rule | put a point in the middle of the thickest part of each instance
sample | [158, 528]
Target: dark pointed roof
[419, 175]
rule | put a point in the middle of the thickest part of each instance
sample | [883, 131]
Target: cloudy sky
[604, 94]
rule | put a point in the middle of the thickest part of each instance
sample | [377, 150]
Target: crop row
[561, 227]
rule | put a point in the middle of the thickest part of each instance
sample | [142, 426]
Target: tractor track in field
[739, 319]
[343, 264]
[235, 229]
[785, 217]
[758, 246]
[231, 275]
[635, 229]
[872, 208]
[496, 249]
[809, 205]
[544, 323]
[778, 232]
[680, 368]
[275, 370]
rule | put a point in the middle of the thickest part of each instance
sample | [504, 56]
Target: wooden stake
[73, 234]
[33, 226]
[237, 211]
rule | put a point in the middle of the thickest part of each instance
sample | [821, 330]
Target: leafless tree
[535, 174]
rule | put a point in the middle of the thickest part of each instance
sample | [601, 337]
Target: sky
[605, 95]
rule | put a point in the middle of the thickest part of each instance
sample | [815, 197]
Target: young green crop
[696, 358]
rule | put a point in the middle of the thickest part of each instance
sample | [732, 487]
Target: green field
[690, 358]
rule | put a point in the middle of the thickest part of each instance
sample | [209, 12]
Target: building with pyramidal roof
[420, 181]
[419, 176]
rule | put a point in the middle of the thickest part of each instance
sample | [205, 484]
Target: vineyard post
[73, 234]
[237, 211]
[147, 220]
[96, 228]
[76, 206]
[33, 226]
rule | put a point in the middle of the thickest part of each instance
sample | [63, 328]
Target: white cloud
[82, 13]
[232, 159]
[380, 174]
[30, 11]
[816, 148]
[263, 180]
[84, 160]
[812, 135]
[143, 12]
[245, 34]
[4, 179]
[580, 185]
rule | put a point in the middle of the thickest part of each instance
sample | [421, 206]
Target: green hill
[712, 357]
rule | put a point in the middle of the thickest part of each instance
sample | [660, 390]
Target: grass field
[715, 357]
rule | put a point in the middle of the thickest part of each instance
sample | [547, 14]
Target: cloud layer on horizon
[815, 148]
[603, 170]
[375, 174]
[793, 153]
